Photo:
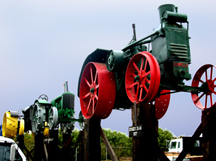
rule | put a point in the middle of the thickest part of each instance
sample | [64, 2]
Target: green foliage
[163, 136]
[120, 142]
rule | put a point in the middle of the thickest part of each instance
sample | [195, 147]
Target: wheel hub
[211, 86]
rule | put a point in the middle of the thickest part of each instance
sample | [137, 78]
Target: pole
[92, 133]
[144, 131]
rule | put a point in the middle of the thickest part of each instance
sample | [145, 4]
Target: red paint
[178, 64]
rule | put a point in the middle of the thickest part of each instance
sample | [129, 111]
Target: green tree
[120, 142]
[163, 137]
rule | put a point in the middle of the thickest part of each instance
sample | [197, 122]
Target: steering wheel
[43, 97]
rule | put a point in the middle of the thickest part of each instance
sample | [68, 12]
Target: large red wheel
[97, 91]
[142, 78]
[205, 79]
[162, 103]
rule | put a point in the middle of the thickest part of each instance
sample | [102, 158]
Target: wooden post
[66, 151]
[209, 137]
[92, 132]
[39, 154]
[145, 144]
[52, 145]
[108, 146]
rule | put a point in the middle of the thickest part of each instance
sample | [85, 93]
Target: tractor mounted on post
[146, 70]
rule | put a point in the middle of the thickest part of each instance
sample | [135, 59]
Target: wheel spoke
[137, 92]
[206, 75]
[199, 80]
[148, 81]
[96, 97]
[134, 75]
[89, 104]
[97, 86]
[96, 74]
[140, 96]
[146, 89]
[211, 72]
[145, 65]
[88, 94]
[199, 98]
[135, 66]
[87, 82]
[211, 100]
[146, 74]
[132, 85]
[91, 73]
[214, 80]
[141, 66]
[206, 100]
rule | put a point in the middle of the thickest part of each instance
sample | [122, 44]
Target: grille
[178, 51]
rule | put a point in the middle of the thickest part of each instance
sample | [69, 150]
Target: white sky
[44, 43]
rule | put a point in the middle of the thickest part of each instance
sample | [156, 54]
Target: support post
[145, 144]
[66, 151]
[39, 148]
[92, 132]
[52, 145]
[209, 139]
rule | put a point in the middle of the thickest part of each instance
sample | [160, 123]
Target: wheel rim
[205, 79]
[162, 104]
[39, 116]
[97, 91]
[53, 117]
[142, 78]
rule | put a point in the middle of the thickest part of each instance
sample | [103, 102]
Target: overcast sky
[43, 43]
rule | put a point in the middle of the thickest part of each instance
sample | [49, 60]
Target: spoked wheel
[205, 79]
[97, 91]
[53, 117]
[142, 78]
[162, 104]
[39, 117]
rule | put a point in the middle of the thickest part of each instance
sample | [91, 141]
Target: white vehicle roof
[5, 139]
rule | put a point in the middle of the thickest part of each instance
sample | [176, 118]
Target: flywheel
[97, 91]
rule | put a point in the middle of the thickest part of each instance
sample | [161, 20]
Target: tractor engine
[171, 46]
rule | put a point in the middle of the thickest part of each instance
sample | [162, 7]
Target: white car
[9, 150]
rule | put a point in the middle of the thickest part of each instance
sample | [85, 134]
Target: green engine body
[171, 47]
[65, 105]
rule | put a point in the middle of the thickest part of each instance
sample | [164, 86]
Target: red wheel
[97, 91]
[162, 104]
[205, 79]
[142, 78]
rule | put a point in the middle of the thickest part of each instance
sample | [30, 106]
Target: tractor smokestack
[166, 7]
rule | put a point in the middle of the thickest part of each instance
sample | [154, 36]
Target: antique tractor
[13, 124]
[146, 70]
[43, 114]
